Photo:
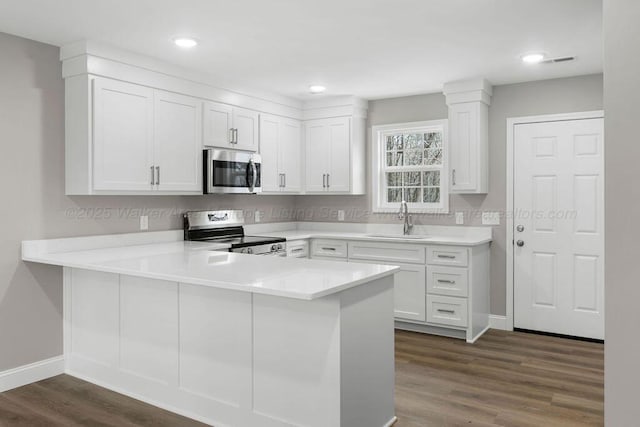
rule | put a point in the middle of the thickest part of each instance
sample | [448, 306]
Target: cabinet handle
[297, 250]
[328, 182]
[447, 256]
[157, 175]
[152, 177]
[451, 282]
[453, 177]
[441, 310]
[324, 180]
[284, 180]
[231, 136]
[235, 138]
[328, 249]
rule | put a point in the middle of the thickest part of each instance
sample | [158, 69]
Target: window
[410, 163]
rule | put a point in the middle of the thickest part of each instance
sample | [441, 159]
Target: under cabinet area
[131, 139]
[230, 127]
[281, 151]
[440, 289]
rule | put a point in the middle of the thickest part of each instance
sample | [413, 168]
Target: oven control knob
[274, 248]
[249, 250]
[279, 246]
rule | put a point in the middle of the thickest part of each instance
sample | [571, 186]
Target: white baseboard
[31, 373]
[498, 322]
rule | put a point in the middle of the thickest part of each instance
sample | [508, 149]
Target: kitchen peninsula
[226, 338]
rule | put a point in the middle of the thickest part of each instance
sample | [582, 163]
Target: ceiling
[368, 48]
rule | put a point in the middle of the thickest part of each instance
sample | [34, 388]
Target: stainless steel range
[227, 227]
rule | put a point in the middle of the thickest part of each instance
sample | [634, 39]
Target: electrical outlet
[490, 218]
[144, 222]
[459, 218]
[340, 215]
[257, 216]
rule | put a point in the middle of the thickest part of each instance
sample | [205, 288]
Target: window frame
[379, 167]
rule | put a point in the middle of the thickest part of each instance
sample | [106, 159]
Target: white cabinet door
[178, 142]
[463, 121]
[269, 151]
[123, 136]
[245, 123]
[409, 291]
[290, 155]
[218, 121]
[339, 171]
[317, 155]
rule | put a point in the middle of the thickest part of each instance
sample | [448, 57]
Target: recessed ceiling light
[185, 42]
[533, 58]
[317, 88]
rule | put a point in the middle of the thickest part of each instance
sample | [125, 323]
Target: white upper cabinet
[123, 136]
[335, 155]
[178, 142]
[468, 103]
[218, 125]
[281, 151]
[131, 139]
[230, 127]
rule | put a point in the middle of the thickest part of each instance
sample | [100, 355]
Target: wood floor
[505, 379]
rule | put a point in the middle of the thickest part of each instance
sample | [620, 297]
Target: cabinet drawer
[448, 255]
[451, 281]
[387, 252]
[329, 248]
[298, 249]
[450, 311]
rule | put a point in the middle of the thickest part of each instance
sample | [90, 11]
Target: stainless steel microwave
[228, 171]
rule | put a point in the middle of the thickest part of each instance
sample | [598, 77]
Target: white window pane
[431, 195]
[431, 178]
[433, 156]
[412, 195]
[394, 159]
[394, 195]
[394, 142]
[413, 157]
[433, 140]
[394, 179]
[411, 179]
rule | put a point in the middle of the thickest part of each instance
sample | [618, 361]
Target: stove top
[245, 241]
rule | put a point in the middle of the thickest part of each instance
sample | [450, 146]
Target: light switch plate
[459, 218]
[144, 222]
[257, 216]
[340, 215]
[490, 218]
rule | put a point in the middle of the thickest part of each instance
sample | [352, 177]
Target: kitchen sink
[399, 236]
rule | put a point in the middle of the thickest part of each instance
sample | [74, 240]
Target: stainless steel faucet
[404, 214]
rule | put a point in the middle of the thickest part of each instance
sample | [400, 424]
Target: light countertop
[204, 264]
[463, 240]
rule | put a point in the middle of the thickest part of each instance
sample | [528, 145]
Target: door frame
[511, 123]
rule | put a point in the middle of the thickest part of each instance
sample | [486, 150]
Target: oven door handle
[252, 171]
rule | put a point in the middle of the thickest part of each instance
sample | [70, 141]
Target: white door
[269, 134]
[558, 227]
[218, 121]
[340, 155]
[123, 136]
[245, 123]
[290, 155]
[177, 142]
[317, 155]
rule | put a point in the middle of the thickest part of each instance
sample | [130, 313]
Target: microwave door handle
[255, 175]
[251, 171]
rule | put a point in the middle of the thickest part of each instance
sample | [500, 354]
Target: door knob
[520, 243]
[520, 228]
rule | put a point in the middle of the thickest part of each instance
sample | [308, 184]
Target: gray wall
[582, 93]
[35, 207]
[622, 210]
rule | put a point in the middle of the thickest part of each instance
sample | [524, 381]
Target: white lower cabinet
[298, 249]
[439, 289]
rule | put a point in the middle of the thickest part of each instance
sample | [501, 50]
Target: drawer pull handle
[447, 256]
[328, 249]
[297, 250]
[440, 310]
[451, 282]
